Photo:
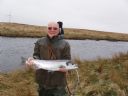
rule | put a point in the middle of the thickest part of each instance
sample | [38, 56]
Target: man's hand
[62, 69]
[29, 62]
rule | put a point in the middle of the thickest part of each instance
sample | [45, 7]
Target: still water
[12, 50]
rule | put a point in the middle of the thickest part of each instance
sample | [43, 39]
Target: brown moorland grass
[101, 77]
[24, 30]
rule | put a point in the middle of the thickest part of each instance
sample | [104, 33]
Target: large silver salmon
[54, 65]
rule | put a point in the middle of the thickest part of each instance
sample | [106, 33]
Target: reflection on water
[13, 50]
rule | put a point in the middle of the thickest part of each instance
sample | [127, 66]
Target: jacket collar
[53, 39]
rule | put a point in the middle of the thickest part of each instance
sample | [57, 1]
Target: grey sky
[107, 15]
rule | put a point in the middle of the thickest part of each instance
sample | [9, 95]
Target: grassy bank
[102, 77]
[23, 30]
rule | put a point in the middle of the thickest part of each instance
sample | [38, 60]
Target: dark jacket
[51, 49]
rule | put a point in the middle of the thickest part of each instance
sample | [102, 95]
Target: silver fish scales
[54, 65]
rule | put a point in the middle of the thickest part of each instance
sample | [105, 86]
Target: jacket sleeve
[36, 54]
[66, 52]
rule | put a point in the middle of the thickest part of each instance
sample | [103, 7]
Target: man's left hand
[63, 70]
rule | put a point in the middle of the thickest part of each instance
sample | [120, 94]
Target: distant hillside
[24, 30]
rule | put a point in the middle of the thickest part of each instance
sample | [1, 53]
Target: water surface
[12, 50]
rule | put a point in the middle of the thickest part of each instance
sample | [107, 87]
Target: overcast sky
[106, 15]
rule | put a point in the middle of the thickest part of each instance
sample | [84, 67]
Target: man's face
[53, 29]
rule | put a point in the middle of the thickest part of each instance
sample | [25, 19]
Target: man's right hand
[29, 62]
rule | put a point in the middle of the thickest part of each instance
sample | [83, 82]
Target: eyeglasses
[52, 28]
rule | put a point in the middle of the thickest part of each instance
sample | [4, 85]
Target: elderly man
[51, 47]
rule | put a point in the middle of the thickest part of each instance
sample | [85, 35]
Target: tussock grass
[24, 30]
[104, 77]
[18, 83]
[101, 77]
